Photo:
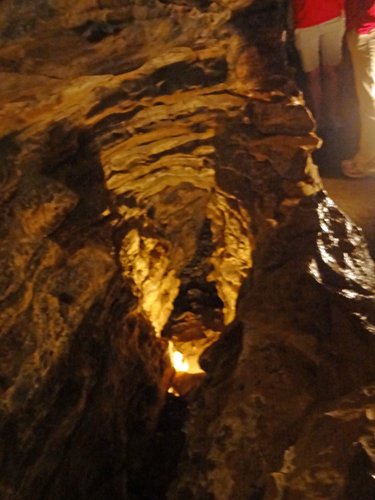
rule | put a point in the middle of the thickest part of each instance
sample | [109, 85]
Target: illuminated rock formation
[157, 189]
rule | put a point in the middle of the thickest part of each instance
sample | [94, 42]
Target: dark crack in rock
[158, 198]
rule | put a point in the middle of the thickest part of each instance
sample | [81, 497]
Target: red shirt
[360, 15]
[312, 12]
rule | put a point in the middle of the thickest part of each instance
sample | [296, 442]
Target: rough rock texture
[277, 372]
[155, 166]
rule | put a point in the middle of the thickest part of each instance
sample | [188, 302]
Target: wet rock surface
[157, 185]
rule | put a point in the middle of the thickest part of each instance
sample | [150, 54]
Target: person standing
[361, 44]
[319, 30]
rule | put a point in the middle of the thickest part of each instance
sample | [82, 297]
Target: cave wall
[157, 184]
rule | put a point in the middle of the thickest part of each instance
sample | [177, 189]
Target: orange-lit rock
[303, 338]
[156, 185]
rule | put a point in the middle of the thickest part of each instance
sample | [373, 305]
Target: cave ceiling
[171, 260]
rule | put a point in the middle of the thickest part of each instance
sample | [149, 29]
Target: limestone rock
[292, 352]
[156, 185]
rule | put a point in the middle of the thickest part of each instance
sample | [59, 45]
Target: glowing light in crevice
[178, 361]
[179, 364]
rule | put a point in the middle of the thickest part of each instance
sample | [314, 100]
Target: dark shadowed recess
[96, 31]
[261, 27]
[82, 172]
[25, 17]
[151, 477]
[202, 5]
[197, 295]
[9, 149]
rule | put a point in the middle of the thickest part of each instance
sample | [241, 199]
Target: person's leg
[362, 49]
[331, 48]
[307, 45]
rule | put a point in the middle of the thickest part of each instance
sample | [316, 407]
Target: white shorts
[322, 42]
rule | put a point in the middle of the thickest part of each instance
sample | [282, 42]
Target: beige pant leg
[362, 49]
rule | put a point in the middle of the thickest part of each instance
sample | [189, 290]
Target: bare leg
[315, 91]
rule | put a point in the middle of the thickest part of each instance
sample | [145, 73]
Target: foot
[350, 169]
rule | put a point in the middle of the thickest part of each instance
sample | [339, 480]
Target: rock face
[276, 376]
[157, 185]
